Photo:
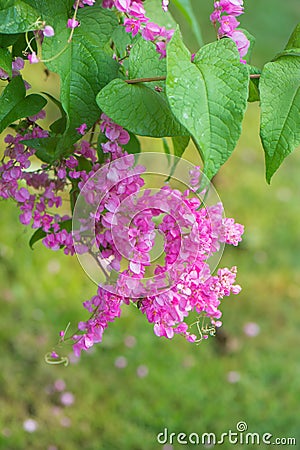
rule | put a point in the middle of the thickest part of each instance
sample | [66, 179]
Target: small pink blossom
[30, 425]
[215, 16]
[59, 385]
[142, 371]
[132, 26]
[251, 329]
[22, 195]
[3, 75]
[32, 58]
[241, 41]
[137, 10]
[39, 115]
[48, 31]
[72, 23]
[81, 130]
[164, 5]
[228, 25]
[67, 398]
[18, 63]
[151, 31]
[107, 3]
[233, 377]
[161, 49]
[234, 7]
[123, 5]
[82, 3]
[121, 362]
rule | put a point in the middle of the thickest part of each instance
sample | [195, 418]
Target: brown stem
[150, 79]
[144, 80]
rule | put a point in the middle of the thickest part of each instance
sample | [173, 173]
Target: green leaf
[288, 52]
[185, 7]
[85, 65]
[17, 16]
[145, 62]
[6, 40]
[166, 149]
[123, 40]
[133, 146]
[66, 225]
[280, 110]
[20, 44]
[46, 148]
[292, 48]
[294, 41]
[6, 61]
[37, 236]
[254, 85]
[141, 108]
[84, 164]
[156, 14]
[14, 105]
[180, 143]
[208, 97]
[101, 140]
[73, 194]
[59, 126]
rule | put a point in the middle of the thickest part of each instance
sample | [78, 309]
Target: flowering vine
[122, 76]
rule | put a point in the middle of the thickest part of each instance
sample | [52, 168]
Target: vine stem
[143, 80]
[150, 79]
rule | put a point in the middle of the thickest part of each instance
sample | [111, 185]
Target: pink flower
[3, 74]
[234, 7]
[164, 5]
[132, 26]
[137, 10]
[228, 25]
[32, 58]
[241, 41]
[251, 329]
[123, 5]
[39, 115]
[18, 64]
[215, 16]
[48, 31]
[82, 128]
[22, 195]
[161, 49]
[72, 23]
[67, 398]
[151, 31]
[108, 4]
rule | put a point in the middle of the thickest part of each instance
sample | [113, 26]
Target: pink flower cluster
[17, 65]
[116, 137]
[136, 21]
[225, 13]
[193, 287]
[37, 192]
[123, 219]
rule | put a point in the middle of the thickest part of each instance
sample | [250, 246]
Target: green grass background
[187, 388]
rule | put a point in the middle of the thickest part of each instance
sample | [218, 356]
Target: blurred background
[133, 385]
